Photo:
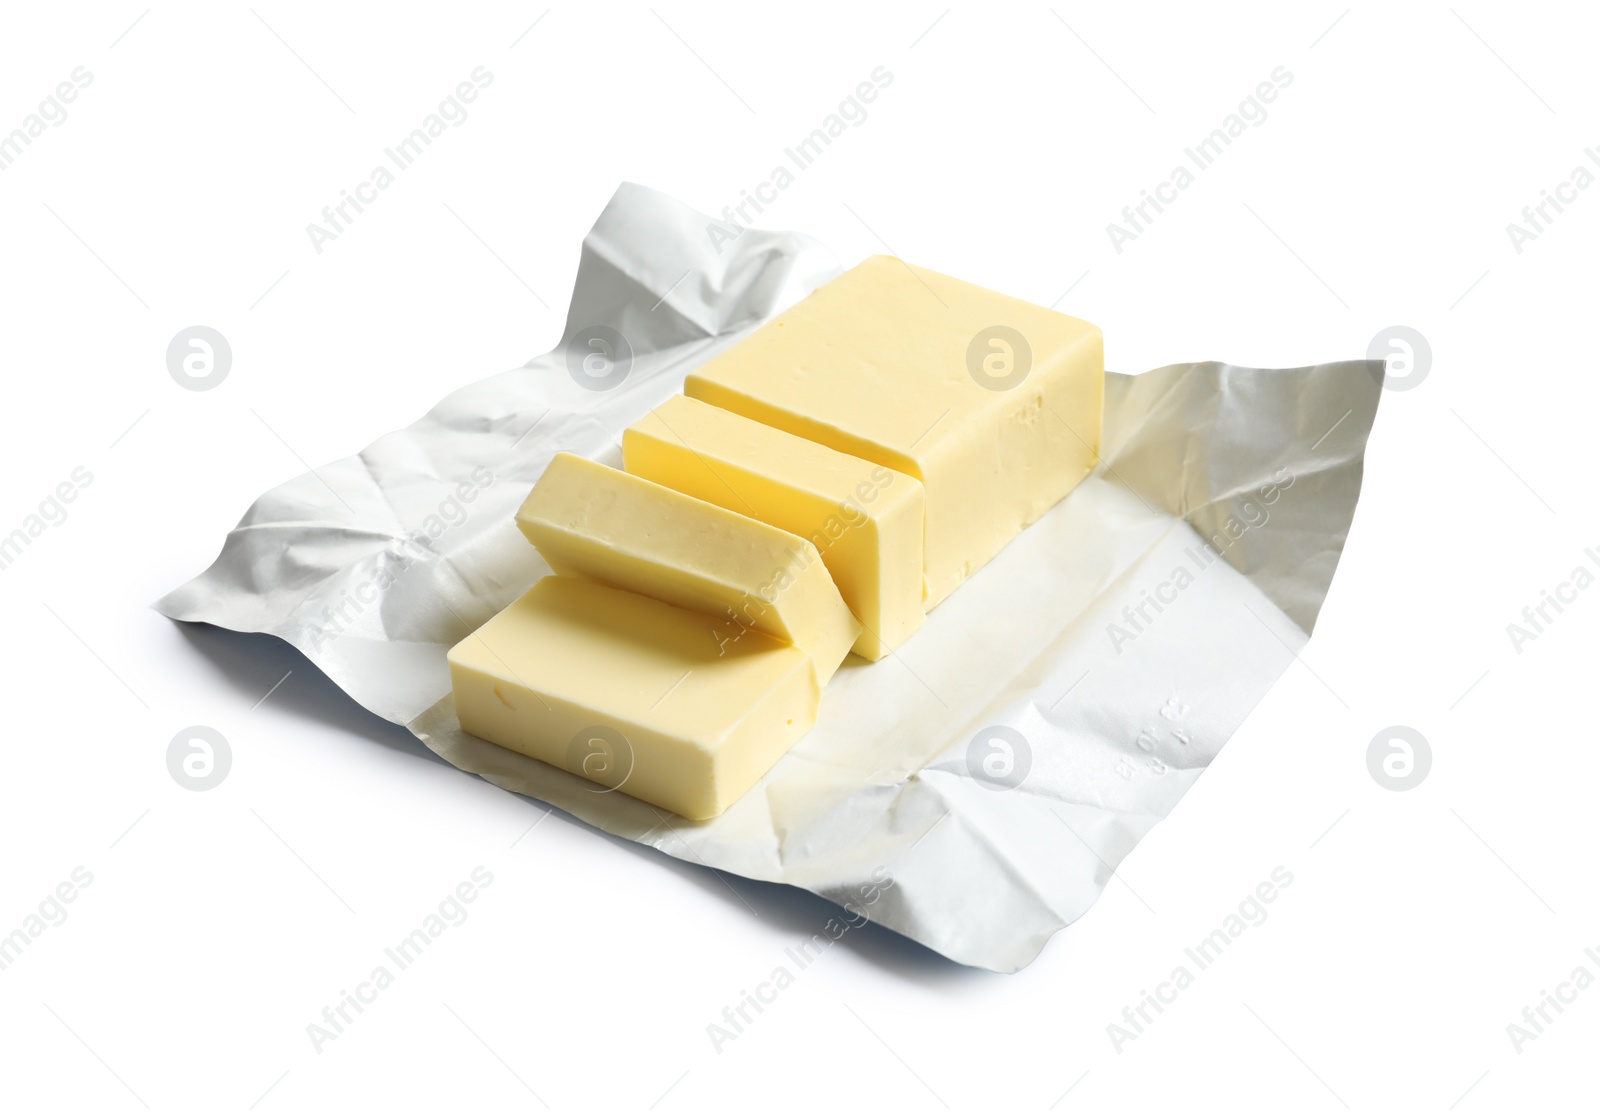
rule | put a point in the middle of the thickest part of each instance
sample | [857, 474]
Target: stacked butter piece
[814, 492]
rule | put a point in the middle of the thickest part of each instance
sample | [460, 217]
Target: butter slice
[633, 694]
[885, 363]
[864, 520]
[600, 523]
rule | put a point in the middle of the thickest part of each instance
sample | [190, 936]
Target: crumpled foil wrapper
[974, 792]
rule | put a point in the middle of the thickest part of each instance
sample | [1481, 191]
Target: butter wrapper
[979, 787]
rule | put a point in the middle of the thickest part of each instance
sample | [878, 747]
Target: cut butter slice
[633, 694]
[593, 521]
[864, 520]
[992, 403]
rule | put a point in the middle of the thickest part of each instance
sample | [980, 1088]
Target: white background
[220, 924]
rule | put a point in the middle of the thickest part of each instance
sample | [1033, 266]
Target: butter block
[600, 523]
[991, 402]
[633, 694]
[864, 520]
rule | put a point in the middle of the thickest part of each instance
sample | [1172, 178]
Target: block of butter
[864, 520]
[593, 521]
[992, 403]
[633, 694]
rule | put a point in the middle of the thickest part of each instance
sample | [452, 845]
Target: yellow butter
[864, 520]
[633, 694]
[991, 402]
[600, 523]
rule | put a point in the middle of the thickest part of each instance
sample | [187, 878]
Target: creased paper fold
[1000, 766]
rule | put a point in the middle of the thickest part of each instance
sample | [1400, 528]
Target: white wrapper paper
[999, 767]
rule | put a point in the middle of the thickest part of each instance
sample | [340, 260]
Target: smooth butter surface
[593, 521]
[633, 694]
[908, 368]
[865, 520]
